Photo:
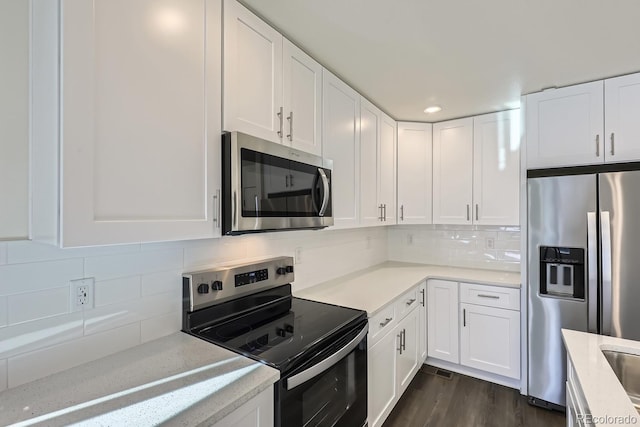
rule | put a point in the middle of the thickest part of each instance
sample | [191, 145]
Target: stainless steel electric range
[320, 349]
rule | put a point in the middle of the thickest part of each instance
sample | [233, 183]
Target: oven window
[337, 397]
[277, 187]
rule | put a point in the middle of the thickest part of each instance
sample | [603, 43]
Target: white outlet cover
[489, 243]
[75, 293]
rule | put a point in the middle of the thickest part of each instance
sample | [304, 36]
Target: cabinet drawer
[490, 296]
[381, 323]
[407, 302]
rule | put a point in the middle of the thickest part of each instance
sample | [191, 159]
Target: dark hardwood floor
[434, 401]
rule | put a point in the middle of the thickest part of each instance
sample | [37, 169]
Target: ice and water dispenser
[562, 272]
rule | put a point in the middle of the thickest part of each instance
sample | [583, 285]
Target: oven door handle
[318, 368]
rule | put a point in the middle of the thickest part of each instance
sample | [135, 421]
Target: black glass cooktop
[277, 329]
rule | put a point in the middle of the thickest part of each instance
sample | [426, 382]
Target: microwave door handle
[325, 196]
[318, 368]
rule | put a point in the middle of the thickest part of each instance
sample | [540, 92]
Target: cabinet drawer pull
[411, 301]
[386, 322]
[488, 296]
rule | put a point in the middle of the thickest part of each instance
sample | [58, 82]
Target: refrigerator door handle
[605, 230]
[592, 272]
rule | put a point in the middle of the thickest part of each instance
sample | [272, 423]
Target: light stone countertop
[178, 379]
[604, 394]
[373, 288]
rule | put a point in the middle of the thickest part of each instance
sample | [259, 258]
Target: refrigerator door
[562, 214]
[620, 237]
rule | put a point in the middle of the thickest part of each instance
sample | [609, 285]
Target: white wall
[456, 245]
[137, 291]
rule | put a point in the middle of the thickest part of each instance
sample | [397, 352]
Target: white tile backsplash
[37, 305]
[41, 363]
[160, 326]
[457, 245]
[3, 375]
[138, 288]
[18, 278]
[117, 290]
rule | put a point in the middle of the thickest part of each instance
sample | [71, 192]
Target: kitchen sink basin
[627, 368]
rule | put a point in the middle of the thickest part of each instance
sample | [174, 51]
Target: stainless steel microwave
[268, 187]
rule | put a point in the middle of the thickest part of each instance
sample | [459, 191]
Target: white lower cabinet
[475, 329]
[257, 412]
[577, 409]
[395, 352]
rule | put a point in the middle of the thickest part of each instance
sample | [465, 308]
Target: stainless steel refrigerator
[584, 267]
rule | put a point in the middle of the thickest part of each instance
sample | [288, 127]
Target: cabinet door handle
[286, 180]
[291, 180]
[477, 216]
[290, 118]
[401, 212]
[279, 114]
[411, 301]
[384, 210]
[422, 292]
[612, 144]
[488, 296]
[464, 317]
[216, 209]
[597, 145]
[400, 342]
[468, 217]
[404, 339]
[386, 322]
[380, 208]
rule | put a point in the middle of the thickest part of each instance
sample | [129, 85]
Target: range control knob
[289, 268]
[203, 288]
[216, 285]
[280, 271]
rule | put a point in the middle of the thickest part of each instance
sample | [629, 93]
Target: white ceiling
[470, 57]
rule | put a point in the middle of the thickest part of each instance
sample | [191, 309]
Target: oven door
[273, 187]
[329, 390]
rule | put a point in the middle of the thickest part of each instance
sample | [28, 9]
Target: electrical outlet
[81, 294]
[297, 257]
[489, 243]
[409, 239]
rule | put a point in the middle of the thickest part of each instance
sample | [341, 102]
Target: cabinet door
[387, 168]
[14, 119]
[302, 83]
[381, 382]
[341, 143]
[452, 171]
[407, 364]
[257, 412]
[370, 120]
[490, 339]
[622, 109]
[142, 163]
[565, 126]
[496, 168]
[422, 324]
[442, 322]
[252, 75]
[414, 173]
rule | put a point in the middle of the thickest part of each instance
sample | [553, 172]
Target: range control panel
[205, 288]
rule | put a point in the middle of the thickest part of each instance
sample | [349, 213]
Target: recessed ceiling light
[432, 109]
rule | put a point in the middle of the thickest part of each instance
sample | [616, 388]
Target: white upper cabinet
[387, 149]
[272, 89]
[142, 163]
[452, 171]
[252, 75]
[302, 83]
[371, 212]
[14, 119]
[496, 168]
[622, 110]
[564, 126]
[414, 173]
[341, 143]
